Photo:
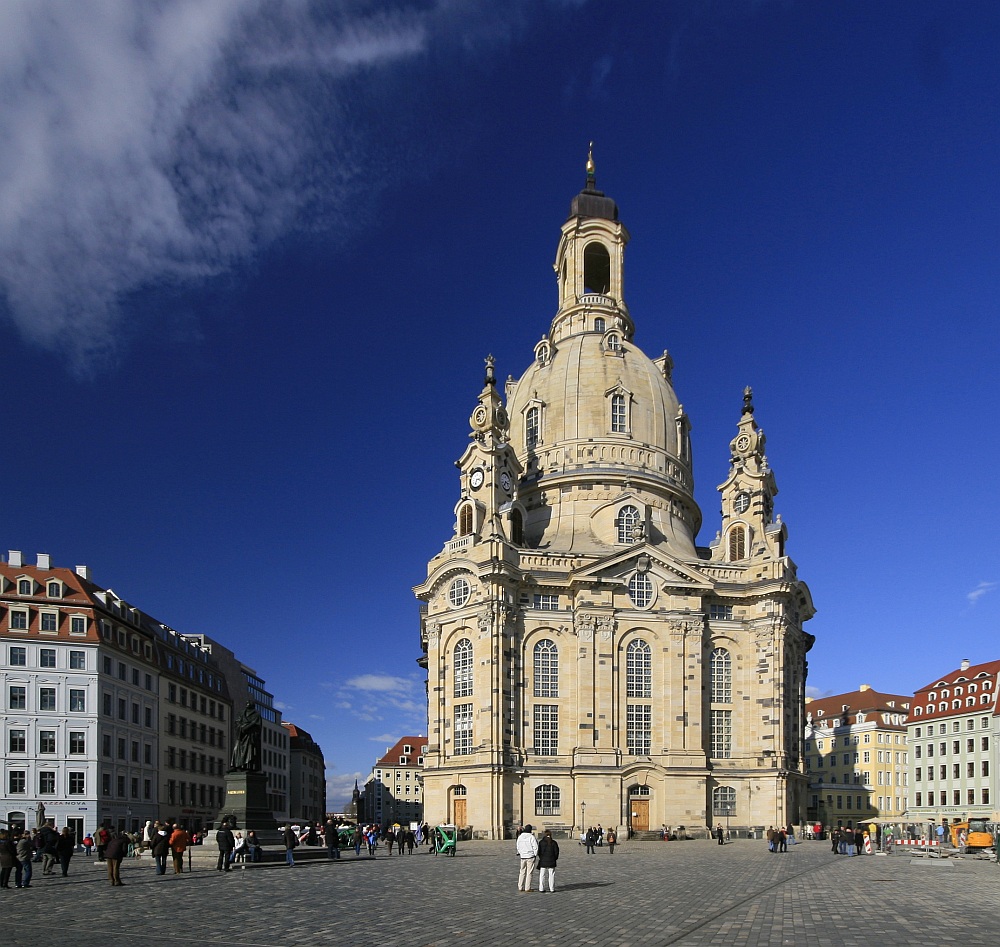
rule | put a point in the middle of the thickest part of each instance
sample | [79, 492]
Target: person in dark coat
[65, 846]
[332, 838]
[8, 857]
[160, 847]
[290, 841]
[590, 840]
[226, 842]
[114, 854]
[548, 855]
[50, 848]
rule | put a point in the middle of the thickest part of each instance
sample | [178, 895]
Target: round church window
[459, 592]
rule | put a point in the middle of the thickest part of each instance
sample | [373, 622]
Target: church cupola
[588, 267]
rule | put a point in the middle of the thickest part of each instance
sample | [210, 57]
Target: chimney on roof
[44, 561]
[865, 687]
[14, 558]
[83, 572]
[965, 664]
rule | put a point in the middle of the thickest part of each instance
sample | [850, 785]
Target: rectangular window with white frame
[546, 730]
[722, 734]
[462, 732]
[639, 729]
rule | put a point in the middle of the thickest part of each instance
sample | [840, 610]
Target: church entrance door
[640, 815]
[460, 818]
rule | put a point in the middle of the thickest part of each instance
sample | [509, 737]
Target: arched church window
[547, 800]
[614, 342]
[722, 676]
[737, 544]
[638, 670]
[619, 414]
[516, 527]
[600, 324]
[532, 426]
[546, 668]
[463, 668]
[596, 269]
[724, 800]
[465, 520]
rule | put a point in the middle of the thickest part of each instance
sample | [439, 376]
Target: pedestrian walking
[612, 838]
[8, 857]
[65, 846]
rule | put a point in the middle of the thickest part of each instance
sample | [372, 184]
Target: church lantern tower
[581, 647]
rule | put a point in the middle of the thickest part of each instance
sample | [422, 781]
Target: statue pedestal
[246, 802]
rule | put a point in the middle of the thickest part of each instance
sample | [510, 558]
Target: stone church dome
[594, 419]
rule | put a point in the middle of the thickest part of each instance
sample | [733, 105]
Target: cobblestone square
[686, 893]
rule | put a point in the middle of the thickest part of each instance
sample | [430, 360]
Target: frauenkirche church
[587, 661]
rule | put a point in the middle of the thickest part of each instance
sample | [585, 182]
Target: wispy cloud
[383, 697]
[979, 591]
[147, 145]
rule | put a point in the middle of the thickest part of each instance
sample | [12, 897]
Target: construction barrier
[918, 841]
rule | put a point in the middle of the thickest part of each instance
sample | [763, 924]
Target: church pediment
[669, 571]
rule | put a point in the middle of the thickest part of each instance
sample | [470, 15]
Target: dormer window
[25, 587]
[532, 426]
[55, 590]
[619, 414]
[543, 352]
[628, 521]
[404, 760]
[613, 342]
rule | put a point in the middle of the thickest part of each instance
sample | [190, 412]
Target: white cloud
[340, 787]
[147, 145]
[979, 591]
[382, 697]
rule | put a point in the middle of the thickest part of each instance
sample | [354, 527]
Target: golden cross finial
[590, 161]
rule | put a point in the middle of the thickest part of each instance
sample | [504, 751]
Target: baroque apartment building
[588, 659]
[111, 717]
[856, 756]
[394, 790]
[953, 732]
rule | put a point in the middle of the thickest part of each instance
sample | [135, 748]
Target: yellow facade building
[588, 661]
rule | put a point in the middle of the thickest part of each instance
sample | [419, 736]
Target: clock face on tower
[476, 478]
[505, 482]
[743, 442]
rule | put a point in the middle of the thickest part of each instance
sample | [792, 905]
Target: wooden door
[460, 812]
[640, 815]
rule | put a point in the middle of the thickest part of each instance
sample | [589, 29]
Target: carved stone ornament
[585, 627]
[685, 626]
[433, 633]
[485, 621]
[606, 628]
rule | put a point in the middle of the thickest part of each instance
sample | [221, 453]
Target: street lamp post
[583, 817]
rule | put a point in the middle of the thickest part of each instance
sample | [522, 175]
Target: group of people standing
[777, 838]
[595, 837]
[846, 841]
[543, 854]
[19, 850]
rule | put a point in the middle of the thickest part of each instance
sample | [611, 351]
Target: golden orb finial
[590, 161]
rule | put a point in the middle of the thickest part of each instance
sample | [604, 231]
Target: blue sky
[252, 258]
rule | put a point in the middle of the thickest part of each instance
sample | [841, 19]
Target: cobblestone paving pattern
[694, 893]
